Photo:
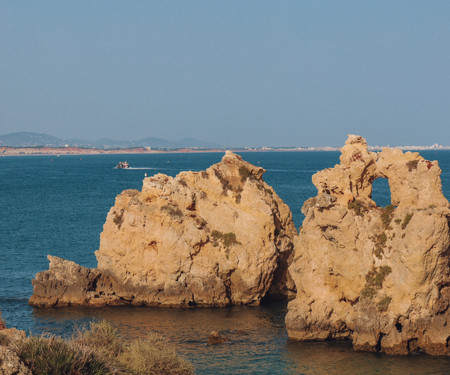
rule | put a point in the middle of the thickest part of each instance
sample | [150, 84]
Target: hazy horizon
[253, 73]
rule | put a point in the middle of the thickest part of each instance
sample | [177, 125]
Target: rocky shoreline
[221, 237]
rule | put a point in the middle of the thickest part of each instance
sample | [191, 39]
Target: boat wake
[140, 168]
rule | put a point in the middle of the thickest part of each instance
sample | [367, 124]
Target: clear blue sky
[238, 73]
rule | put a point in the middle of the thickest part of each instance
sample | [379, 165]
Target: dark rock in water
[215, 338]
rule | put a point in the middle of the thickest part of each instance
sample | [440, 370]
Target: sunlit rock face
[212, 238]
[379, 276]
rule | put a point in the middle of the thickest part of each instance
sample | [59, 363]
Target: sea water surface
[58, 205]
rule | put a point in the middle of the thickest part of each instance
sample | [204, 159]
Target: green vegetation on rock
[228, 239]
[383, 304]
[380, 243]
[386, 216]
[357, 206]
[374, 280]
[406, 220]
[244, 173]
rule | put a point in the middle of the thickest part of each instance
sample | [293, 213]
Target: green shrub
[412, 164]
[406, 220]
[383, 304]
[228, 239]
[224, 182]
[380, 243]
[386, 216]
[173, 211]
[54, 356]
[153, 355]
[268, 191]
[374, 280]
[357, 206]
[244, 173]
[118, 218]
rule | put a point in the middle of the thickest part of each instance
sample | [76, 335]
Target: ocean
[58, 205]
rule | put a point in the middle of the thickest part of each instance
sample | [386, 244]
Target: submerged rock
[215, 338]
[212, 238]
[379, 276]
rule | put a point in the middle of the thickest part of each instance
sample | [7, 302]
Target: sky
[237, 73]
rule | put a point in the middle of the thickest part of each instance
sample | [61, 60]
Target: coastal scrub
[98, 350]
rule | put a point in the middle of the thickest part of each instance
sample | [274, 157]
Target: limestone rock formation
[211, 238]
[379, 276]
[11, 364]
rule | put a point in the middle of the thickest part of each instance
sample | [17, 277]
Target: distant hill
[29, 139]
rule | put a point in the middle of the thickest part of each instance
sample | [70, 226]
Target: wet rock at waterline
[213, 238]
[379, 276]
[215, 338]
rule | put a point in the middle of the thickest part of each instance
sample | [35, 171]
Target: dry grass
[54, 356]
[153, 355]
[2, 322]
[99, 350]
[101, 337]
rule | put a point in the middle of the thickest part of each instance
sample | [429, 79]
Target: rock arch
[381, 192]
[363, 271]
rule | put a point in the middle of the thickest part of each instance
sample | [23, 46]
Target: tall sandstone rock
[379, 276]
[212, 238]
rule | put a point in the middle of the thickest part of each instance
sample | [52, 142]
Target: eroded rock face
[211, 238]
[10, 362]
[379, 276]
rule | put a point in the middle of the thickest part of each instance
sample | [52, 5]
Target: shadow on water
[258, 345]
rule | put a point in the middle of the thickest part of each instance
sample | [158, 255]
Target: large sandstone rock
[379, 276]
[211, 238]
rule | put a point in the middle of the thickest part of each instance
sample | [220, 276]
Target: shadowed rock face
[211, 238]
[379, 276]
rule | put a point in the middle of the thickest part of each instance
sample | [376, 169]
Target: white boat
[122, 165]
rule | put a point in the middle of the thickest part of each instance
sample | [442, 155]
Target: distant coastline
[29, 151]
[30, 143]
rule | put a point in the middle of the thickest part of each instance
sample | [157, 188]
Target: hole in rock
[413, 346]
[398, 326]
[378, 346]
[381, 192]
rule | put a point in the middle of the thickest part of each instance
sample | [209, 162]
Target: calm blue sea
[57, 205]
